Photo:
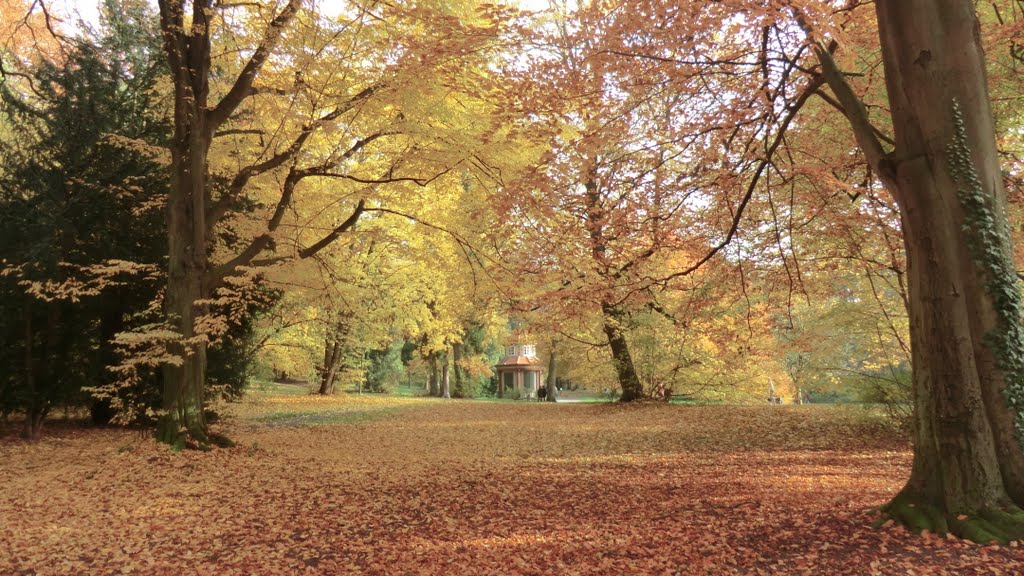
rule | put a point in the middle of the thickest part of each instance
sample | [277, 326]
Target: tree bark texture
[184, 383]
[968, 468]
[187, 45]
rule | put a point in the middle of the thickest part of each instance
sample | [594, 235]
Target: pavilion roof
[524, 361]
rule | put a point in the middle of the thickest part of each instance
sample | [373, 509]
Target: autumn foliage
[719, 202]
[353, 485]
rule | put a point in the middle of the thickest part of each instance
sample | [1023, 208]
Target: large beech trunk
[184, 383]
[968, 467]
[187, 46]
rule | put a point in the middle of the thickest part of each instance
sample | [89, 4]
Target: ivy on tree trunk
[968, 469]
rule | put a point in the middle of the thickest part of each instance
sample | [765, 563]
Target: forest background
[484, 207]
[707, 201]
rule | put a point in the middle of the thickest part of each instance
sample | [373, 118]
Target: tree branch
[857, 114]
[835, 104]
[238, 131]
[761, 166]
[337, 232]
[220, 207]
[243, 84]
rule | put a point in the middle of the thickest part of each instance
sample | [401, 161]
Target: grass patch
[304, 410]
[324, 418]
[278, 388]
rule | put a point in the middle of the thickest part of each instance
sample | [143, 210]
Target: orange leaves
[427, 487]
[25, 33]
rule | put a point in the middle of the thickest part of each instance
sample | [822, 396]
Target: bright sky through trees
[87, 9]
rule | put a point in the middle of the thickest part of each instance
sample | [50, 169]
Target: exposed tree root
[169, 432]
[179, 437]
[996, 524]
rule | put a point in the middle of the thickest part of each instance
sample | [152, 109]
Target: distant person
[542, 393]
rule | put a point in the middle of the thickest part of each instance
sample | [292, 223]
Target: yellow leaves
[476, 366]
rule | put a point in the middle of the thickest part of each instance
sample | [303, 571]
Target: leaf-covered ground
[406, 486]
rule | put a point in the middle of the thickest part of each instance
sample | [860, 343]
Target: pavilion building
[520, 370]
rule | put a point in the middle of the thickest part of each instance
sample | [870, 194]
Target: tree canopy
[721, 201]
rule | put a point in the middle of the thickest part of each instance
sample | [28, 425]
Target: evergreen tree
[81, 244]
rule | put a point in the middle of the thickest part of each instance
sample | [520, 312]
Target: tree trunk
[187, 46]
[445, 391]
[552, 369]
[112, 322]
[329, 349]
[596, 214]
[629, 382]
[435, 386]
[184, 384]
[968, 467]
[459, 389]
[34, 418]
[332, 356]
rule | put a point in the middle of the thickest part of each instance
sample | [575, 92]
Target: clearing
[371, 485]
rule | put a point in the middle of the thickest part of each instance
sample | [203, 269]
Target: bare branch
[857, 114]
[243, 84]
[762, 165]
